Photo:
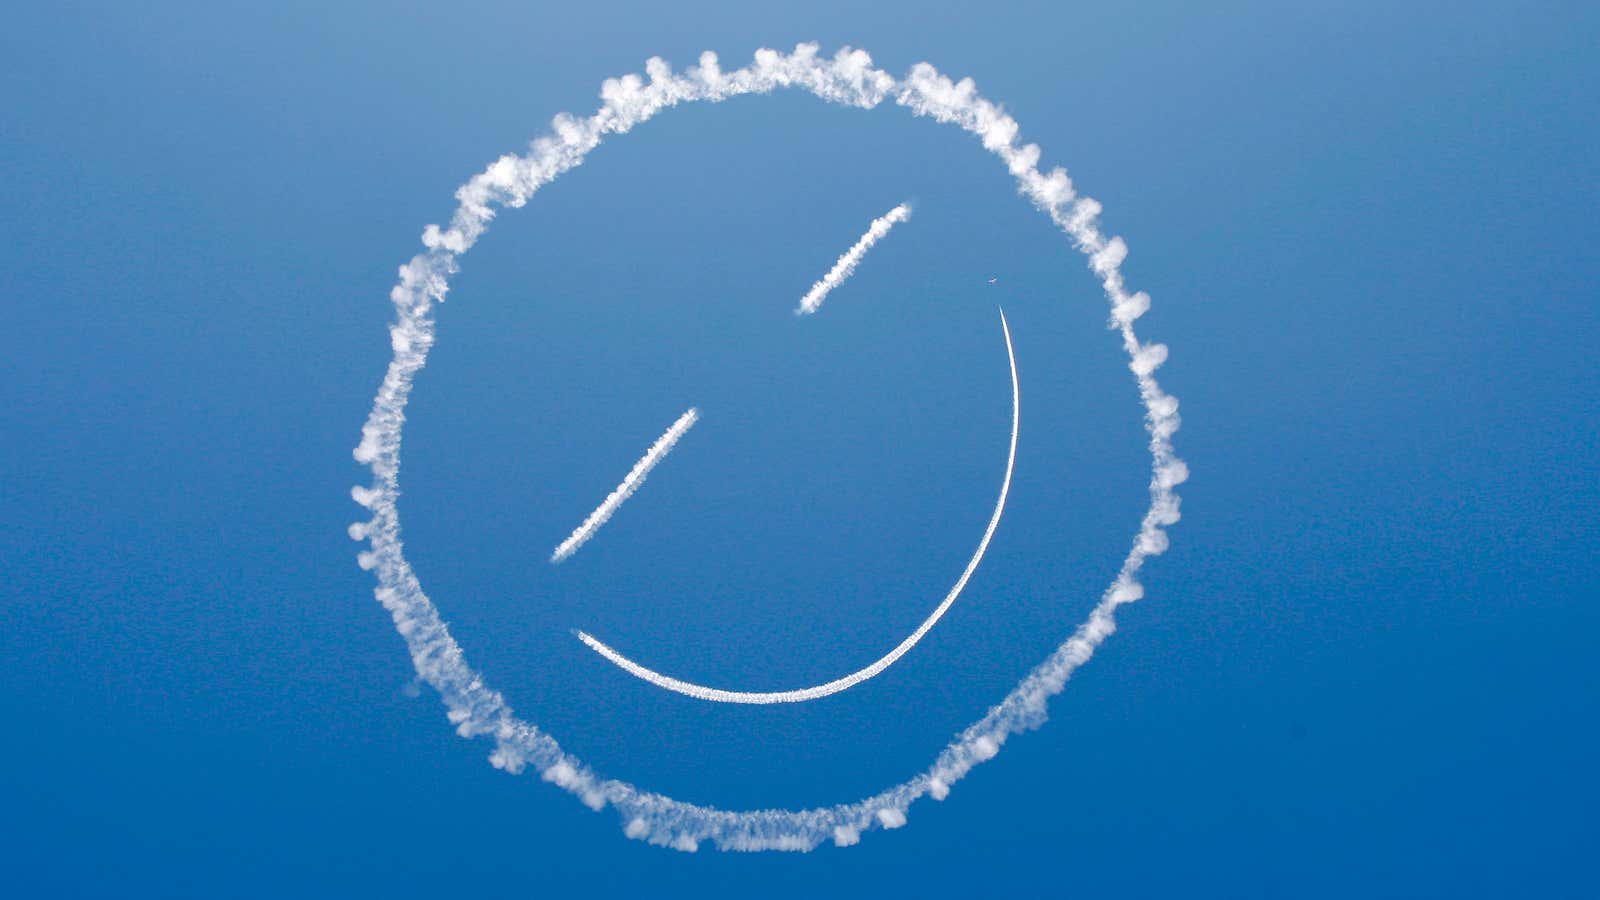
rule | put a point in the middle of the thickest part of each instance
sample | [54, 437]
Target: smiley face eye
[630, 483]
[851, 258]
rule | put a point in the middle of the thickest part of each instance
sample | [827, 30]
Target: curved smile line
[718, 695]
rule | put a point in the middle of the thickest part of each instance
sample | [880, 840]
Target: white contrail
[847, 263]
[799, 695]
[630, 483]
[475, 708]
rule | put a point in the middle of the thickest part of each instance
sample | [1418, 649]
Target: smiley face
[476, 709]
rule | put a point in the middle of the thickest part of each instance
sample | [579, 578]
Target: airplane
[993, 280]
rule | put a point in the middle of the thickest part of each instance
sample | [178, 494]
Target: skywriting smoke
[630, 483]
[474, 708]
[851, 258]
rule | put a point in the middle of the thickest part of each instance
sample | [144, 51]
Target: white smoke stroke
[851, 258]
[477, 709]
[800, 695]
[630, 483]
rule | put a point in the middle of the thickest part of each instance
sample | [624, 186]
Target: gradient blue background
[1365, 666]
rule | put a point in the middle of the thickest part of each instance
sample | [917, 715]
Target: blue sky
[1363, 666]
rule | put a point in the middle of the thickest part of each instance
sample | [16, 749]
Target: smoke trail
[474, 708]
[630, 483]
[847, 263]
[799, 695]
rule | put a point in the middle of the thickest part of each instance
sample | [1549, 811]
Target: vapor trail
[476, 709]
[847, 263]
[799, 695]
[630, 483]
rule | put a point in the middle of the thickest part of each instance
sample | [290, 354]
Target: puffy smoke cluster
[475, 709]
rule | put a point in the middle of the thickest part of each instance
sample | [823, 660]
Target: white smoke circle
[476, 709]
